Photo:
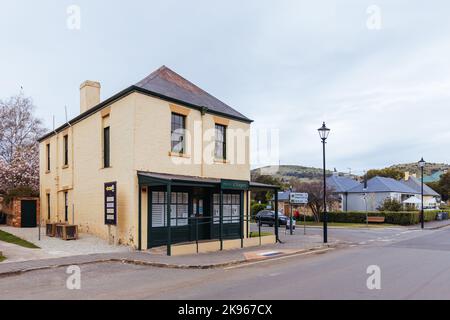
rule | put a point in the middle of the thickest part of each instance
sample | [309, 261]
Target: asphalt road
[414, 264]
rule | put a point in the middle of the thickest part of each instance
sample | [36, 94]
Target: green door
[28, 214]
[200, 227]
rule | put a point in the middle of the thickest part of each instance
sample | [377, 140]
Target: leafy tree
[265, 196]
[444, 186]
[391, 205]
[387, 173]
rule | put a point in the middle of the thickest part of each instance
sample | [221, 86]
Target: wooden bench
[376, 219]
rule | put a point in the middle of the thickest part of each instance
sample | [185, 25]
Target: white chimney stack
[89, 95]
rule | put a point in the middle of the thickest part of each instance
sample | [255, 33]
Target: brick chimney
[89, 95]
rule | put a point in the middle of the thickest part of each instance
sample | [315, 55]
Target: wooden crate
[59, 230]
[70, 232]
[50, 229]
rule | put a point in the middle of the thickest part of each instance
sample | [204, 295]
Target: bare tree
[19, 128]
[315, 192]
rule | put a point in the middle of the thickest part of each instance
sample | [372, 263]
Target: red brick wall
[14, 214]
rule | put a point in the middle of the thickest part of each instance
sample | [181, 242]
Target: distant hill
[287, 172]
[429, 169]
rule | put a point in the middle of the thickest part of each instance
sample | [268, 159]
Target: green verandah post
[277, 239]
[169, 231]
[241, 215]
[140, 218]
[221, 219]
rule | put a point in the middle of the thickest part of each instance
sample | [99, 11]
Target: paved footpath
[291, 245]
[199, 261]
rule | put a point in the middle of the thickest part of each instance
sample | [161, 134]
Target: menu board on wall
[111, 203]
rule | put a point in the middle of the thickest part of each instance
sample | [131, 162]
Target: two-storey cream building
[160, 162]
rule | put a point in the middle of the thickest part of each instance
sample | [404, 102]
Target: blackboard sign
[111, 203]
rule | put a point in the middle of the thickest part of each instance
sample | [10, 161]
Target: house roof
[341, 184]
[284, 196]
[167, 85]
[382, 184]
[414, 183]
[436, 176]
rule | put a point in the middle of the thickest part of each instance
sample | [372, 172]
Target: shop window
[179, 209]
[231, 208]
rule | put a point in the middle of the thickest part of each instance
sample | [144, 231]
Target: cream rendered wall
[152, 143]
[85, 176]
[152, 147]
[140, 140]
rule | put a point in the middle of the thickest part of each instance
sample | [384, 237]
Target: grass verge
[7, 237]
[346, 225]
[2, 258]
[254, 234]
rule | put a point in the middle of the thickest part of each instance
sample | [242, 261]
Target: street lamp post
[422, 218]
[324, 132]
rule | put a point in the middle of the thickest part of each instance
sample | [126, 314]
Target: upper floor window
[66, 150]
[221, 142]
[48, 157]
[178, 126]
[106, 147]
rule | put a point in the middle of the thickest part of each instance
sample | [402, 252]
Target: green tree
[386, 172]
[444, 186]
[265, 196]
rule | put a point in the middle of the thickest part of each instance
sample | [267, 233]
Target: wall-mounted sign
[111, 203]
[299, 198]
[235, 185]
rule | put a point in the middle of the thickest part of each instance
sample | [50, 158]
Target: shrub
[257, 207]
[391, 205]
[403, 218]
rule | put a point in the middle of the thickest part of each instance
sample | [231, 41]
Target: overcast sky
[380, 79]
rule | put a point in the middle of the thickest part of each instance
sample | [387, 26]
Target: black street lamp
[422, 218]
[324, 132]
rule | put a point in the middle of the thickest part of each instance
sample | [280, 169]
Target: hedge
[403, 218]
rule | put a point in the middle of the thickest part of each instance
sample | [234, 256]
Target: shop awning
[159, 179]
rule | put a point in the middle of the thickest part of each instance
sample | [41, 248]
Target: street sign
[299, 198]
[111, 203]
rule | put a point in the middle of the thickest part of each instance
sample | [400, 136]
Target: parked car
[268, 217]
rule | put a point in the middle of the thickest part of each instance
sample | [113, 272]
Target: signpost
[299, 199]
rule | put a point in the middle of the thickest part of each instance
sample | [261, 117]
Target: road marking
[279, 258]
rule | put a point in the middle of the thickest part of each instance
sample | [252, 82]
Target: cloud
[288, 65]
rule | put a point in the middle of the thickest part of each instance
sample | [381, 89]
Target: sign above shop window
[111, 203]
[235, 185]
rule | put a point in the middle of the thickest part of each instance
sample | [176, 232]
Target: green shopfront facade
[182, 209]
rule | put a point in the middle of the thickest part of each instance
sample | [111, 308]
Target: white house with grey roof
[370, 198]
[340, 186]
